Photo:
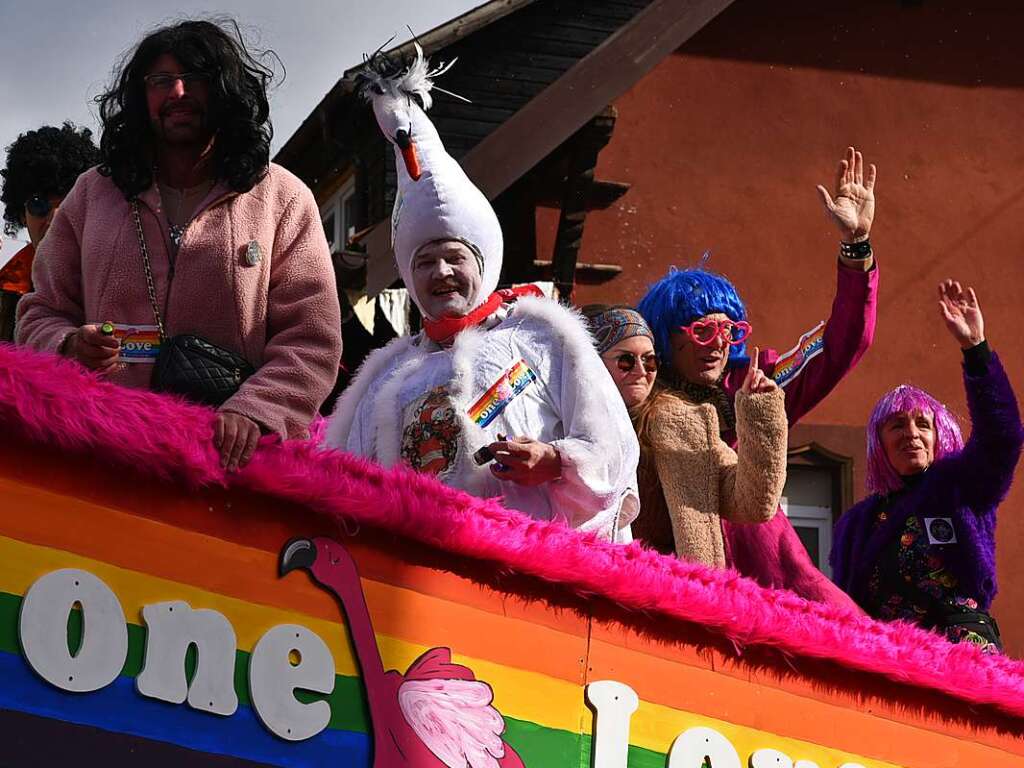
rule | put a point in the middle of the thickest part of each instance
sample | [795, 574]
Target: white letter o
[43, 630]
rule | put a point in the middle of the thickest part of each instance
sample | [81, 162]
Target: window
[818, 486]
[814, 527]
[338, 215]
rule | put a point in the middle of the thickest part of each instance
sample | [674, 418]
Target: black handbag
[190, 365]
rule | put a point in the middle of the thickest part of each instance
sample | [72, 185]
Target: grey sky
[55, 56]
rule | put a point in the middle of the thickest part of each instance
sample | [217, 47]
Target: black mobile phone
[485, 455]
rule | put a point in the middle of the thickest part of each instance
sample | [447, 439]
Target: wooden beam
[601, 196]
[585, 144]
[561, 109]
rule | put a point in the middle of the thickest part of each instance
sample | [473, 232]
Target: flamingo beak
[297, 553]
[408, 148]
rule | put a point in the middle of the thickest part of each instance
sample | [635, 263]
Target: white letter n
[171, 628]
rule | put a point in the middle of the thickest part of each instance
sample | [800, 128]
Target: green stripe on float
[539, 746]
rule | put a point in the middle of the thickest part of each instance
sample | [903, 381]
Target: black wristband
[857, 251]
[976, 359]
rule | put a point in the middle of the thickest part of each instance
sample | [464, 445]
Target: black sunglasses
[38, 205]
[626, 361]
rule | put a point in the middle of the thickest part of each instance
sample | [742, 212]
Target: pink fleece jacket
[279, 311]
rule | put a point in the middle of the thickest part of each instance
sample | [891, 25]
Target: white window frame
[335, 206]
[818, 518]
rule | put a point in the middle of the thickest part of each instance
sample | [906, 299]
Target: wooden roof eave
[597, 79]
[462, 26]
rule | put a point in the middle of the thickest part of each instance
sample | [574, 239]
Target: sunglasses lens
[650, 363]
[38, 206]
[625, 362]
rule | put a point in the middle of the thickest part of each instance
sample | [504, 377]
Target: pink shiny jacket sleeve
[772, 553]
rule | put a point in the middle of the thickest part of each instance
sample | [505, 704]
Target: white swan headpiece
[435, 199]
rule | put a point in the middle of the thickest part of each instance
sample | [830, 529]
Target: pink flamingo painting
[435, 715]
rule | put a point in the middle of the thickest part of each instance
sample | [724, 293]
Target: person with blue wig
[701, 330]
[688, 478]
[921, 548]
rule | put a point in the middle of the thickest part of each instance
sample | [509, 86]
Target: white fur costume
[573, 405]
[416, 401]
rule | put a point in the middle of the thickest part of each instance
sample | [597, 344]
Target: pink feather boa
[52, 402]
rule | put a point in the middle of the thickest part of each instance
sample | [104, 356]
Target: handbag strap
[150, 285]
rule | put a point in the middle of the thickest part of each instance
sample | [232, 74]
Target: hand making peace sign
[756, 381]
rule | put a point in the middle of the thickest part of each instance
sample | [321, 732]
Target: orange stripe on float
[268, 524]
[135, 543]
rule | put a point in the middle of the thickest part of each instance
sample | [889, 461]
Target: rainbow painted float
[592, 654]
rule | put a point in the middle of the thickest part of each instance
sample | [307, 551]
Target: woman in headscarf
[689, 478]
[921, 547]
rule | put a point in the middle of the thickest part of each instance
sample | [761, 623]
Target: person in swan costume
[509, 372]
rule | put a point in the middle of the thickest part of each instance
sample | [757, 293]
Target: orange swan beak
[408, 148]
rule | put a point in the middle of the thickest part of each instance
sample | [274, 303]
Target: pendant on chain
[176, 231]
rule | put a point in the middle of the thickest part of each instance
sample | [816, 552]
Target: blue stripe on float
[118, 707]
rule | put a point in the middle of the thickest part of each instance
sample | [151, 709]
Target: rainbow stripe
[511, 383]
[153, 543]
[139, 343]
[789, 365]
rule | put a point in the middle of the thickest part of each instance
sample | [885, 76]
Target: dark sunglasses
[164, 81]
[626, 361]
[38, 205]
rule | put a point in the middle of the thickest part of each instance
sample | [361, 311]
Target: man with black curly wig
[187, 240]
[42, 166]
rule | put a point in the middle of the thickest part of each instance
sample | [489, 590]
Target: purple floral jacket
[966, 487]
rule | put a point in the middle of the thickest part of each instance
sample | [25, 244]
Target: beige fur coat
[703, 480]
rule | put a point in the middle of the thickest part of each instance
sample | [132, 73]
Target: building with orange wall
[722, 145]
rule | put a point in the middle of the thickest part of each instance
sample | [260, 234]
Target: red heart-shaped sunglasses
[704, 332]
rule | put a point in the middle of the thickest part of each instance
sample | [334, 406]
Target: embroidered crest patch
[430, 440]
[509, 385]
[791, 363]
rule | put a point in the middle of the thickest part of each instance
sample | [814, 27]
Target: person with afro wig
[701, 333]
[42, 166]
[921, 547]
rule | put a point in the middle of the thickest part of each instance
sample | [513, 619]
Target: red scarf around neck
[448, 327]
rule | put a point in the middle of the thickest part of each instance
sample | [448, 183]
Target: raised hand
[852, 208]
[962, 313]
[755, 380]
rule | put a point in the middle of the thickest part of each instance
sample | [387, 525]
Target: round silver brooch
[253, 254]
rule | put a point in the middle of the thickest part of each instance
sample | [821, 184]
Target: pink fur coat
[276, 303]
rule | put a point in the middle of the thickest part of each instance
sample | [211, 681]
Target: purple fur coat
[966, 486]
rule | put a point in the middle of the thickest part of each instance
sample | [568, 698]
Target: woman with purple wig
[921, 547]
